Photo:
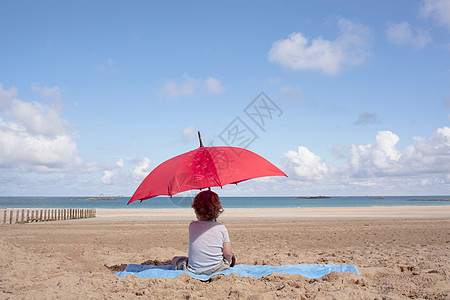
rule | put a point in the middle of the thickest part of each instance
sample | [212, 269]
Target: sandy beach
[401, 253]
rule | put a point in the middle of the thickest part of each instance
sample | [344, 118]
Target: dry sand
[401, 253]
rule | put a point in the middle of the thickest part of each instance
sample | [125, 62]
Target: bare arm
[227, 251]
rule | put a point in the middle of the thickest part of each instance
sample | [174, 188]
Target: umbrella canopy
[203, 168]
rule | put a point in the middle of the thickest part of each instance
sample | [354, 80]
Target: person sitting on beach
[209, 244]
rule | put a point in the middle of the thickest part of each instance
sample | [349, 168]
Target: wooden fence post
[18, 216]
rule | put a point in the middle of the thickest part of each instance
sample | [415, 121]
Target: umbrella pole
[200, 139]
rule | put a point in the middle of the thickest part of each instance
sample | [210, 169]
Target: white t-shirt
[206, 240]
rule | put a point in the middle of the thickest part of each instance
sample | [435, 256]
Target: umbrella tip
[200, 139]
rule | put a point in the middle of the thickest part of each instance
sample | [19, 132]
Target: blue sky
[95, 94]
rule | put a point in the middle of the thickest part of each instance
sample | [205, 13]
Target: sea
[227, 202]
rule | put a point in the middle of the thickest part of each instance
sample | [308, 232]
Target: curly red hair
[207, 205]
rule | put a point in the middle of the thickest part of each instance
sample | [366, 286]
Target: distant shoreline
[92, 199]
[313, 197]
[431, 200]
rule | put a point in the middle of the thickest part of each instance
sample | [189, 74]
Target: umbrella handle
[200, 139]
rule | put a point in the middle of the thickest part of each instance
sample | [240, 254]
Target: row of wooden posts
[27, 215]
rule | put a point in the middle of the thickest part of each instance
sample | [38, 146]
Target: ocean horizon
[227, 202]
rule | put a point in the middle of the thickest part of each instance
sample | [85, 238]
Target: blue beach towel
[306, 270]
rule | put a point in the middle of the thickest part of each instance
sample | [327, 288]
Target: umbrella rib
[217, 178]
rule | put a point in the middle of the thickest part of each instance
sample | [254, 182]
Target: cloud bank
[189, 86]
[39, 154]
[379, 159]
[34, 136]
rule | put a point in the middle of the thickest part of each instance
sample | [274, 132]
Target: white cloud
[380, 159]
[429, 156]
[118, 175]
[142, 169]
[34, 136]
[291, 94]
[438, 10]
[6, 96]
[189, 133]
[108, 177]
[120, 163]
[306, 165]
[112, 175]
[53, 93]
[405, 35]
[351, 47]
[188, 86]
[37, 118]
[213, 86]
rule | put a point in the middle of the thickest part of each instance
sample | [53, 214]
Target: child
[209, 243]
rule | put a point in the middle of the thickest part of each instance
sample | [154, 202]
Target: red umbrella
[203, 168]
